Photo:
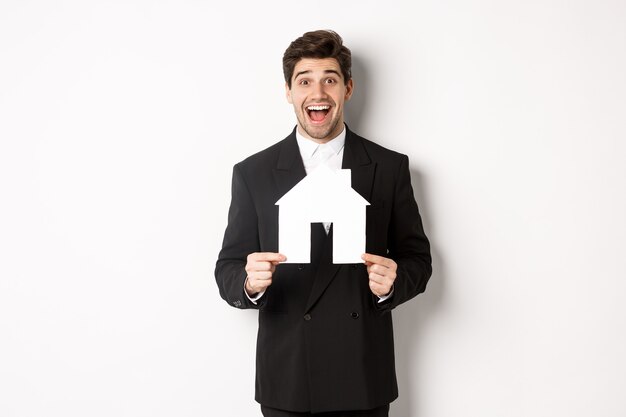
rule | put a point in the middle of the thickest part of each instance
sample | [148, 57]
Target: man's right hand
[260, 268]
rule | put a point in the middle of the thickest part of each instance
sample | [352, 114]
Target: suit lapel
[362, 168]
[356, 159]
[289, 169]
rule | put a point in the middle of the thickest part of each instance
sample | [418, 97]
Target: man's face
[318, 93]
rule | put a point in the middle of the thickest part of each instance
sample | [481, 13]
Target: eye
[330, 81]
[304, 82]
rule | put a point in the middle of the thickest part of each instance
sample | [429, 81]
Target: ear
[288, 93]
[349, 89]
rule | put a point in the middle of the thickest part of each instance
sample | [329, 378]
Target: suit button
[307, 317]
[354, 315]
[300, 267]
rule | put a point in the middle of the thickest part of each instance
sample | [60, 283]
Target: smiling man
[325, 339]
[318, 92]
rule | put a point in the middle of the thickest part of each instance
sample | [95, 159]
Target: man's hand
[382, 273]
[260, 267]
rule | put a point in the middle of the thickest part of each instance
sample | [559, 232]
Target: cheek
[293, 97]
[298, 101]
[339, 98]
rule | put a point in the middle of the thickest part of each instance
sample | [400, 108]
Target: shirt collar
[308, 147]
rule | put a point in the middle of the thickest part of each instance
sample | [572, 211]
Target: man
[325, 339]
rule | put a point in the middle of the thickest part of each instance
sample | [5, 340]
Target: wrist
[249, 290]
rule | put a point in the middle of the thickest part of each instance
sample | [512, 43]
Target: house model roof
[323, 186]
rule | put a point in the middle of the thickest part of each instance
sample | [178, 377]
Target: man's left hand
[382, 273]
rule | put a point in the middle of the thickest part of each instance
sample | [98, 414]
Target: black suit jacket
[324, 342]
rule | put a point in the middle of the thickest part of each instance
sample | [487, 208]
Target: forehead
[316, 66]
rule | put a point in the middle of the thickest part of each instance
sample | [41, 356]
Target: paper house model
[324, 195]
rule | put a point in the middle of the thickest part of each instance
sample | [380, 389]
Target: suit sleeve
[408, 245]
[240, 239]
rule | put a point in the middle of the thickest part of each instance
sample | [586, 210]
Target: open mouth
[318, 113]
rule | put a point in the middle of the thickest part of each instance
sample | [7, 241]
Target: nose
[319, 90]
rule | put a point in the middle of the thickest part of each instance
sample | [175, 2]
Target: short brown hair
[317, 44]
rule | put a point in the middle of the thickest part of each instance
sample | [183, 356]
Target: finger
[252, 266]
[389, 274]
[387, 280]
[379, 269]
[261, 266]
[376, 259]
[380, 279]
[262, 284]
[260, 275]
[267, 256]
[378, 289]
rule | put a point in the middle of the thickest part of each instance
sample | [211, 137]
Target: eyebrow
[328, 71]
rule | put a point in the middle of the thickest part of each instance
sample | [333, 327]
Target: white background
[119, 125]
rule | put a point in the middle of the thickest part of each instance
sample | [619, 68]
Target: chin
[319, 134]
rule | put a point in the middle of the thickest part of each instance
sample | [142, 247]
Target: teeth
[318, 107]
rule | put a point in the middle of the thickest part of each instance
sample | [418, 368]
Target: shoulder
[376, 152]
[267, 157]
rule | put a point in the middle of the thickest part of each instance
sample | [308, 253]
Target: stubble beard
[318, 135]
